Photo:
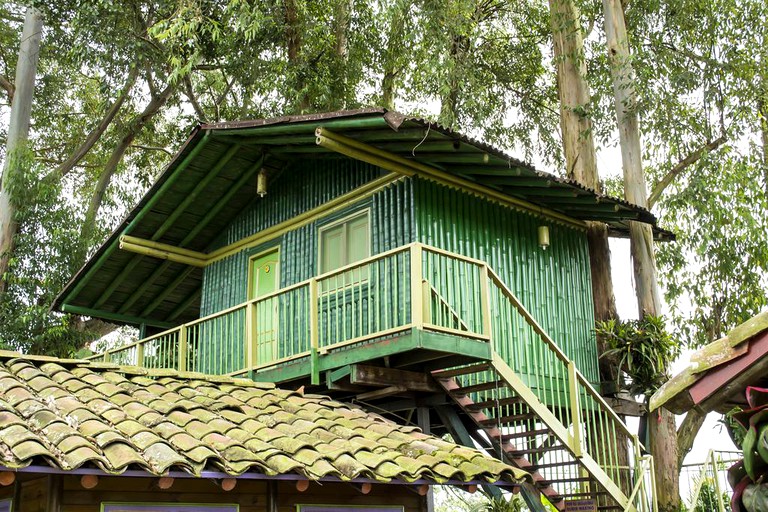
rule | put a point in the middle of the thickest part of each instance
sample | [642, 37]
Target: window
[344, 242]
[348, 508]
[6, 505]
[156, 507]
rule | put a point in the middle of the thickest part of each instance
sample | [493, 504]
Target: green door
[264, 280]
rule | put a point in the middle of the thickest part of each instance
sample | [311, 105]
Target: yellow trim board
[375, 156]
[199, 259]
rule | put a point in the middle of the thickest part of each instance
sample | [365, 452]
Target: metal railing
[706, 482]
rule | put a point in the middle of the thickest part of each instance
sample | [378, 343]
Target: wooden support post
[183, 349]
[485, 302]
[314, 332]
[250, 336]
[716, 478]
[426, 301]
[271, 496]
[140, 355]
[573, 391]
[55, 491]
[417, 306]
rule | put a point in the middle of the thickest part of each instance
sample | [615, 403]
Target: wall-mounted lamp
[543, 237]
[261, 183]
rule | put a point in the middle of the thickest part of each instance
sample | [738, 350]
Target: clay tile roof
[72, 414]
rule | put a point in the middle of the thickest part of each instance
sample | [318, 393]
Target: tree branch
[190, 94]
[9, 88]
[152, 148]
[687, 433]
[681, 166]
[93, 137]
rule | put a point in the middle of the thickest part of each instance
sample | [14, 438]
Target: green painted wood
[554, 284]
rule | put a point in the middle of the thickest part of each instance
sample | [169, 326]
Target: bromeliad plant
[643, 350]
[749, 477]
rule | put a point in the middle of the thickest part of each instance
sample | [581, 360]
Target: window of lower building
[345, 242]
[173, 507]
[349, 508]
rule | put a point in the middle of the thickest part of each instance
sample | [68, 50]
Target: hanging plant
[643, 349]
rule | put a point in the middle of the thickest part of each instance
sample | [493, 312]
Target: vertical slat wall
[304, 185]
[554, 284]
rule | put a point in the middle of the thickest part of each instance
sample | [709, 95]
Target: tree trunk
[138, 123]
[686, 434]
[392, 66]
[449, 99]
[340, 83]
[293, 47]
[18, 133]
[661, 424]
[573, 90]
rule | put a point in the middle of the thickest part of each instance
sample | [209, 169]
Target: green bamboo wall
[553, 284]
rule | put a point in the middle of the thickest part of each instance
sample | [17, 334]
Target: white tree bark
[18, 131]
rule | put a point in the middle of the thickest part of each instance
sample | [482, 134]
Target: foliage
[450, 499]
[643, 349]
[708, 499]
[748, 477]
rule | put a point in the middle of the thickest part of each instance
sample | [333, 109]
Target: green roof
[211, 180]
[72, 415]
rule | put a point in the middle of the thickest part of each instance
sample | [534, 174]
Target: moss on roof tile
[72, 414]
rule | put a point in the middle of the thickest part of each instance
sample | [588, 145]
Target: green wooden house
[386, 260]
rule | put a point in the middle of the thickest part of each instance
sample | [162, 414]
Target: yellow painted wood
[573, 391]
[455, 332]
[375, 156]
[314, 328]
[140, 354]
[162, 254]
[303, 219]
[559, 430]
[485, 302]
[377, 334]
[426, 295]
[183, 349]
[250, 339]
[417, 307]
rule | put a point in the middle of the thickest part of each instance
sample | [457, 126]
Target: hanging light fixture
[261, 183]
[544, 237]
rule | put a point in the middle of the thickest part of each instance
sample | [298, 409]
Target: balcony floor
[413, 350]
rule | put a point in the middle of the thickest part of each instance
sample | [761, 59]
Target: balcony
[417, 304]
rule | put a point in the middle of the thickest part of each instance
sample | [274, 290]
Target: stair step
[543, 449]
[537, 467]
[492, 422]
[549, 481]
[483, 386]
[584, 494]
[466, 370]
[488, 404]
[527, 433]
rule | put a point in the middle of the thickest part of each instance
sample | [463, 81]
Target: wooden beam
[379, 376]
[107, 315]
[382, 393]
[231, 152]
[184, 305]
[168, 290]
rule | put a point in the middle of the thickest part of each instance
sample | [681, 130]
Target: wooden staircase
[570, 452]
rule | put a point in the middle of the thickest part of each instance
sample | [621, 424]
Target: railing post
[107, 356]
[573, 388]
[249, 338]
[314, 333]
[417, 305]
[140, 355]
[183, 367]
[485, 302]
[716, 477]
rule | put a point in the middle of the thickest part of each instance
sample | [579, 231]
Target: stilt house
[386, 261]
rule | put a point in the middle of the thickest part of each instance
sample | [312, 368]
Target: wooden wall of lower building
[250, 495]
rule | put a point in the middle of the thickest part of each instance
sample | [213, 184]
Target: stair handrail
[558, 351]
